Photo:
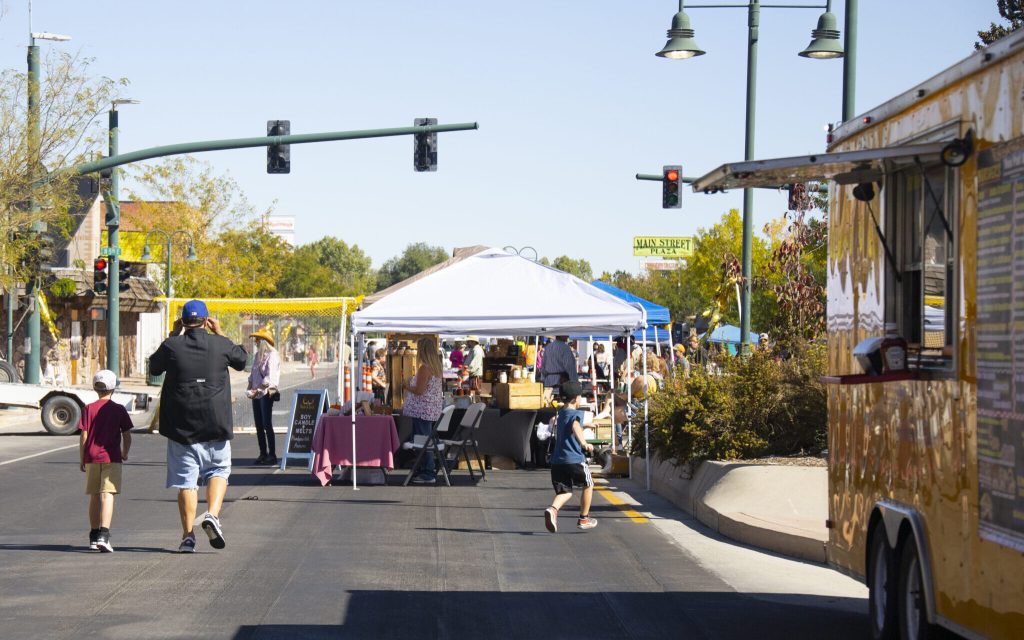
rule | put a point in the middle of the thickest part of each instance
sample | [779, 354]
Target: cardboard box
[521, 395]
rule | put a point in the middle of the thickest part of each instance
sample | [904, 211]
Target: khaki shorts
[102, 477]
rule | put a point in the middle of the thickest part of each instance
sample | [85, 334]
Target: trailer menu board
[1000, 343]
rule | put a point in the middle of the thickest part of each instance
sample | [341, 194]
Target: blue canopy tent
[656, 314]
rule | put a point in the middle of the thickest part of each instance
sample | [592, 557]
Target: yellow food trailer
[926, 346]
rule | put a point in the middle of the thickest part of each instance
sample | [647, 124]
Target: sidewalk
[775, 507]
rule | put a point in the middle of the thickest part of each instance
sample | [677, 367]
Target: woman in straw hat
[263, 382]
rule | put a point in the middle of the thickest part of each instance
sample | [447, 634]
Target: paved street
[385, 562]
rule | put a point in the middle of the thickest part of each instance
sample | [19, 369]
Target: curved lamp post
[681, 45]
[168, 244]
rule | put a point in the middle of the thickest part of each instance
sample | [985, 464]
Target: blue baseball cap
[194, 309]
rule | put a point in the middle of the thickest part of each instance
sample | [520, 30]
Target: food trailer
[926, 346]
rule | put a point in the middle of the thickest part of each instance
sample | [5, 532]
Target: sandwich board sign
[307, 405]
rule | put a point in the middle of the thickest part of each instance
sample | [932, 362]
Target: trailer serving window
[920, 297]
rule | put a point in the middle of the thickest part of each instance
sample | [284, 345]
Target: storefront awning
[844, 167]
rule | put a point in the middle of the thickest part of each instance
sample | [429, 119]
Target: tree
[70, 105]
[327, 267]
[416, 257]
[244, 262]
[1013, 12]
[580, 268]
[237, 256]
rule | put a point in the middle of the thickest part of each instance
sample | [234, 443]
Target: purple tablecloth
[376, 444]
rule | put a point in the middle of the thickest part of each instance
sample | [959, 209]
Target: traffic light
[279, 156]
[124, 270]
[671, 182]
[99, 275]
[424, 151]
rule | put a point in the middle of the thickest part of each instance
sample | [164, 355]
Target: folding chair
[431, 443]
[465, 437]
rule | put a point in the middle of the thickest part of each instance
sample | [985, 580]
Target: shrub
[759, 405]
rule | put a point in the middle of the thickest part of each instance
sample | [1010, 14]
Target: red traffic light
[672, 175]
[100, 264]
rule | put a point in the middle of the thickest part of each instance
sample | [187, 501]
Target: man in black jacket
[195, 416]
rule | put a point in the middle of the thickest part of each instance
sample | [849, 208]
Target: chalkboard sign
[307, 406]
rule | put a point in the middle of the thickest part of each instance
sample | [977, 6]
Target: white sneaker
[211, 525]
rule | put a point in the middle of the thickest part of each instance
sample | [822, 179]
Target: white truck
[61, 406]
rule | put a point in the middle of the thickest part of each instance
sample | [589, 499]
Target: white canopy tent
[495, 293]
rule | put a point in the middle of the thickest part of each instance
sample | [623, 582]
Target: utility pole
[113, 224]
[31, 375]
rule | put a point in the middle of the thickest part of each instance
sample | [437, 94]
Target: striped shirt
[558, 359]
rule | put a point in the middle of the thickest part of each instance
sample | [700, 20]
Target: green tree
[245, 262]
[1010, 10]
[327, 267]
[70, 105]
[580, 268]
[416, 257]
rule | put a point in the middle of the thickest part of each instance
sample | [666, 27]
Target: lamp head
[191, 257]
[825, 39]
[681, 44]
[146, 255]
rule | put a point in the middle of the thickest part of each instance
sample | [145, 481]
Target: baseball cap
[194, 309]
[570, 390]
[104, 380]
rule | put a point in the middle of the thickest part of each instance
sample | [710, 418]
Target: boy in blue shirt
[568, 463]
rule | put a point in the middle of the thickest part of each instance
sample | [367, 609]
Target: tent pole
[352, 410]
[647, 432]
[671, 352]
[629, 402]
[611, 394]
[342, 330]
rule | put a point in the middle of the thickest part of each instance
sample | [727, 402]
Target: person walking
[313, 359]
[195, 416]
[264, 379]
[423, 401]
[568, 463]
[102, 447]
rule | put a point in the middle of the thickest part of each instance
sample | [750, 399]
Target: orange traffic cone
[348, 383]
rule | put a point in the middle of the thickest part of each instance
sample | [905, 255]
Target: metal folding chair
[465, 437]
[433, 444]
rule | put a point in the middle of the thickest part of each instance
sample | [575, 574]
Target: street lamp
[31, 375]
[113, 224]
[681, 45]
[168, 244]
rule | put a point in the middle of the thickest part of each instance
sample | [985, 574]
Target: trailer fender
[896, 519]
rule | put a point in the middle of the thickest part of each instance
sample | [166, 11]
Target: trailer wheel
[7, 372]
[881, 588]
[60, 415]
[913, 616]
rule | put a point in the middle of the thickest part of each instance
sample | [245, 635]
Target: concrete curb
[774, 507]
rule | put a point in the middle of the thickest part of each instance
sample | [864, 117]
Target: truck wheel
[881, 588]
[913, 616]
[60, 415]
[7, 372]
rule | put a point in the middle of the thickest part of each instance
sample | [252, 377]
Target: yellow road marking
[630, 513]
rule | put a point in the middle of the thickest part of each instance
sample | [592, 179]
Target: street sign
[110, 251]
[663, 246]
[662, 265]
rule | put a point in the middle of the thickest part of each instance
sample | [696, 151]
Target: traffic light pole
[115, 160]
[31, 373]
[113, 273]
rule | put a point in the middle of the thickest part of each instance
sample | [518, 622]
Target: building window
[920, 228]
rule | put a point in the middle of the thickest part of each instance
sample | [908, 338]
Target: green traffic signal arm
[822, 187]
[262, 141]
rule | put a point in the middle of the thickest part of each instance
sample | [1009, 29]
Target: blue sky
[570, 99]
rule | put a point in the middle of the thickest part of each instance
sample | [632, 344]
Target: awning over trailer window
[844, 167]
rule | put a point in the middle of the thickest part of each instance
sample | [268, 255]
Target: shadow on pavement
[476, 614]
[68, 548]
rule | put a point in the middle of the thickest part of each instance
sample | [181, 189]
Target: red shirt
[103, 421]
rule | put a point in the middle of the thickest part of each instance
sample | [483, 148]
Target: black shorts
[566, 476]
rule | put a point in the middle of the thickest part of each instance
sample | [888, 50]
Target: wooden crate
[521, 395]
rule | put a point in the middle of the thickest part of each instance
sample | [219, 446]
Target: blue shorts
[186, 463]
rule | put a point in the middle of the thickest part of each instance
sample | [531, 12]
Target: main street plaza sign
[663, 246]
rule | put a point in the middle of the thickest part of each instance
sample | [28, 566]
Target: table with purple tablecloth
[376, 444]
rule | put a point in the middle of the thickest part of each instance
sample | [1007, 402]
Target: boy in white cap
[102, 447]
